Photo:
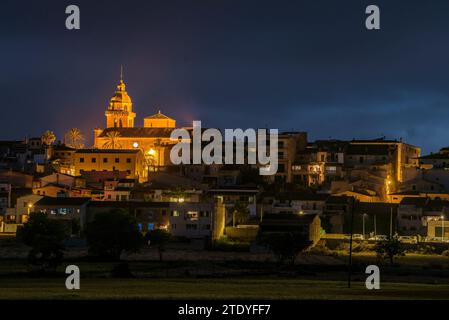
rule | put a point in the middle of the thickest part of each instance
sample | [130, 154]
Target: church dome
[120, 97]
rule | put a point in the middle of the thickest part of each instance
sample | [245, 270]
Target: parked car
[408, 239]
[436, 239]
[357, 236]
[379, 237]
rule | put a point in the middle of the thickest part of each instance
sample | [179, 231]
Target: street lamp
[150, 161]
[363, 224]
[442, 228]
[30, 205]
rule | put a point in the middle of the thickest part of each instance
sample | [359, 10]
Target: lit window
[192, 215]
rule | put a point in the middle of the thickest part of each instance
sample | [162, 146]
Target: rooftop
[435, 156]
[369, 149]
[139, 132]
[128, 204]
[102, 151]
[62, 201]
[158, 115]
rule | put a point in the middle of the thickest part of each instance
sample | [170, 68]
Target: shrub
[284, 245]
[45, 237]
[390, 248]
[228, 245]
[112, 233]
[342, 246]
[158, 238]
[362, 247]
[321, 249]
[425, 249]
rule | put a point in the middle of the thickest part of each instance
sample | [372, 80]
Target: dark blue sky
[301, 65]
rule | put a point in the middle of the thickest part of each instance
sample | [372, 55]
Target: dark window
[128, 160]
[81, 160]
[105, 160]
[117, 160]
[94, 160]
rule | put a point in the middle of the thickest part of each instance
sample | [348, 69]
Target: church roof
[101, 151]
[139, 132]
[158, 115]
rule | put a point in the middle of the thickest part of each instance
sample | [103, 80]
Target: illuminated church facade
[120, 133]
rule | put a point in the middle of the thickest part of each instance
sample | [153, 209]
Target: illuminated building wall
[130, 161]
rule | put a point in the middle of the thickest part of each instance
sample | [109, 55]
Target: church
[120, 133]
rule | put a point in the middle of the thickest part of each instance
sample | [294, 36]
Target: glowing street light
[30, 205]
[442, 228]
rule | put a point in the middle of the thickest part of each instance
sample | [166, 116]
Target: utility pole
[391, 222]
[375, 226]
[350, 248]
[363, 225]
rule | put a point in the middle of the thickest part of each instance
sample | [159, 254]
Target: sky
[293, 65]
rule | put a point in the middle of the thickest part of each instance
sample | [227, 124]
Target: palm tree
[48, 137]
[112, 142]
[75, 138]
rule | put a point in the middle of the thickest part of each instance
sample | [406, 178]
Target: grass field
[214, 289]
[192, 274]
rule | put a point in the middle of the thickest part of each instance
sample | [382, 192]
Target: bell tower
[119, 113]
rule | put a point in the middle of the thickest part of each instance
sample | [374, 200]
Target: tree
[48, 138]
[158, 238]
[112, 233]
[45, 236]
[390, 248]
[75, 138]
[285, 245]
[112, 140]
